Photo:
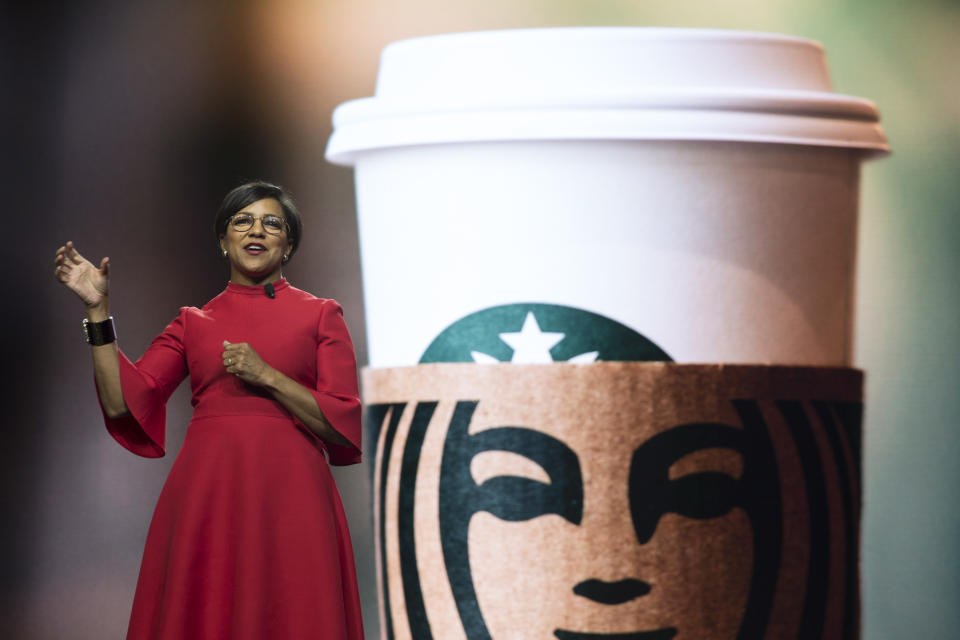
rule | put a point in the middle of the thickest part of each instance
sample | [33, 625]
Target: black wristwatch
[98, 334]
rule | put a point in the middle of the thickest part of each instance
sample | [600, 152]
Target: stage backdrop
[125, 122]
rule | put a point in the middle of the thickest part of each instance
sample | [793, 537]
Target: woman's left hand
[241, 360]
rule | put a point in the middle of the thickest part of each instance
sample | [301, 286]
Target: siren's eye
[713, 460]
[521, 474]
[707, 487]
[487, 465]
[692, 470]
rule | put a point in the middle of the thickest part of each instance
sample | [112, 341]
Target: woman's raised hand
[91, 284]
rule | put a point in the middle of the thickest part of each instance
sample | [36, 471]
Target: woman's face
[256, 254]
[612, 568]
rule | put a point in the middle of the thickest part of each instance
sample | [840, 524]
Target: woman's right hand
[80, 276]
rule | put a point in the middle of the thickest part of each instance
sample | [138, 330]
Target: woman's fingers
[73, 254]
[67, 256]
[62, 266]
[232, 355]
[241, 360]
[81, 276]
[235, 363]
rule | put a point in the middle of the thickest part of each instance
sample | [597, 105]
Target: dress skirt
[249, 540]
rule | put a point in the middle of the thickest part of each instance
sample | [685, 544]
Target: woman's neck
[238, 277]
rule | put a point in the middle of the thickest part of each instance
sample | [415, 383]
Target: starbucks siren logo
[735, 480]
[532, 333]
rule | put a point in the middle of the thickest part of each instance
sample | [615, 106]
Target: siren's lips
[659, 634]
[254, 248]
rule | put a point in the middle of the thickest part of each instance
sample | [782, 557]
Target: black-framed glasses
[272, 224]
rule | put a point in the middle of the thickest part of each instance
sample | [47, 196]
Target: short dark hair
[247, 194]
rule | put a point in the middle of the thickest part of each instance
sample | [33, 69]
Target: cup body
[714, 251]
[611, 196]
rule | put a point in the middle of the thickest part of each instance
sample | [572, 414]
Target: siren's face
[638, 502]
[583, 541]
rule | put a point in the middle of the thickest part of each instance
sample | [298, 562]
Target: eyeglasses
[272, 224]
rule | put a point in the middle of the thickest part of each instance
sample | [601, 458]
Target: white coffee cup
[699, 187]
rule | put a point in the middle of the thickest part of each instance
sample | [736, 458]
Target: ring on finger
[229, 361]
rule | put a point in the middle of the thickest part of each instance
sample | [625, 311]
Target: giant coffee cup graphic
[552, 228]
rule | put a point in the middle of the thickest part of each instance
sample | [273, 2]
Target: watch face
[534, 333]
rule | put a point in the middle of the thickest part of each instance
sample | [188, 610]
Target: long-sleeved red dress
[248, 540]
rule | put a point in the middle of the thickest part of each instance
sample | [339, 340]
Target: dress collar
[258, 290]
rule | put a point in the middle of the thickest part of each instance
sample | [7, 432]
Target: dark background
[124, 123]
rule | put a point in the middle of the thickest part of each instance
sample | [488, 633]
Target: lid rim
[349, 157]
[660, 33]
[798, 103]
[351, 140]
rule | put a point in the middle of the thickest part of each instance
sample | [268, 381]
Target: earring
[224, 253]
[286, 258]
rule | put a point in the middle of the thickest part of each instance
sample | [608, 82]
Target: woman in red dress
[249, 540]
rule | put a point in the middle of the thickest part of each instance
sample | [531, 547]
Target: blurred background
[125, 122]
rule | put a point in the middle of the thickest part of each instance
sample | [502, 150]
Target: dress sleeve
[146, 385]
[337, 392]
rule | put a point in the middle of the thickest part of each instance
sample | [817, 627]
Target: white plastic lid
[613, 83]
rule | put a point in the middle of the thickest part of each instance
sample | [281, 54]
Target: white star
[482, 358]
[530, 344]
[584, 358]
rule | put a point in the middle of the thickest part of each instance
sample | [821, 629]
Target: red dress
[249, 540]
